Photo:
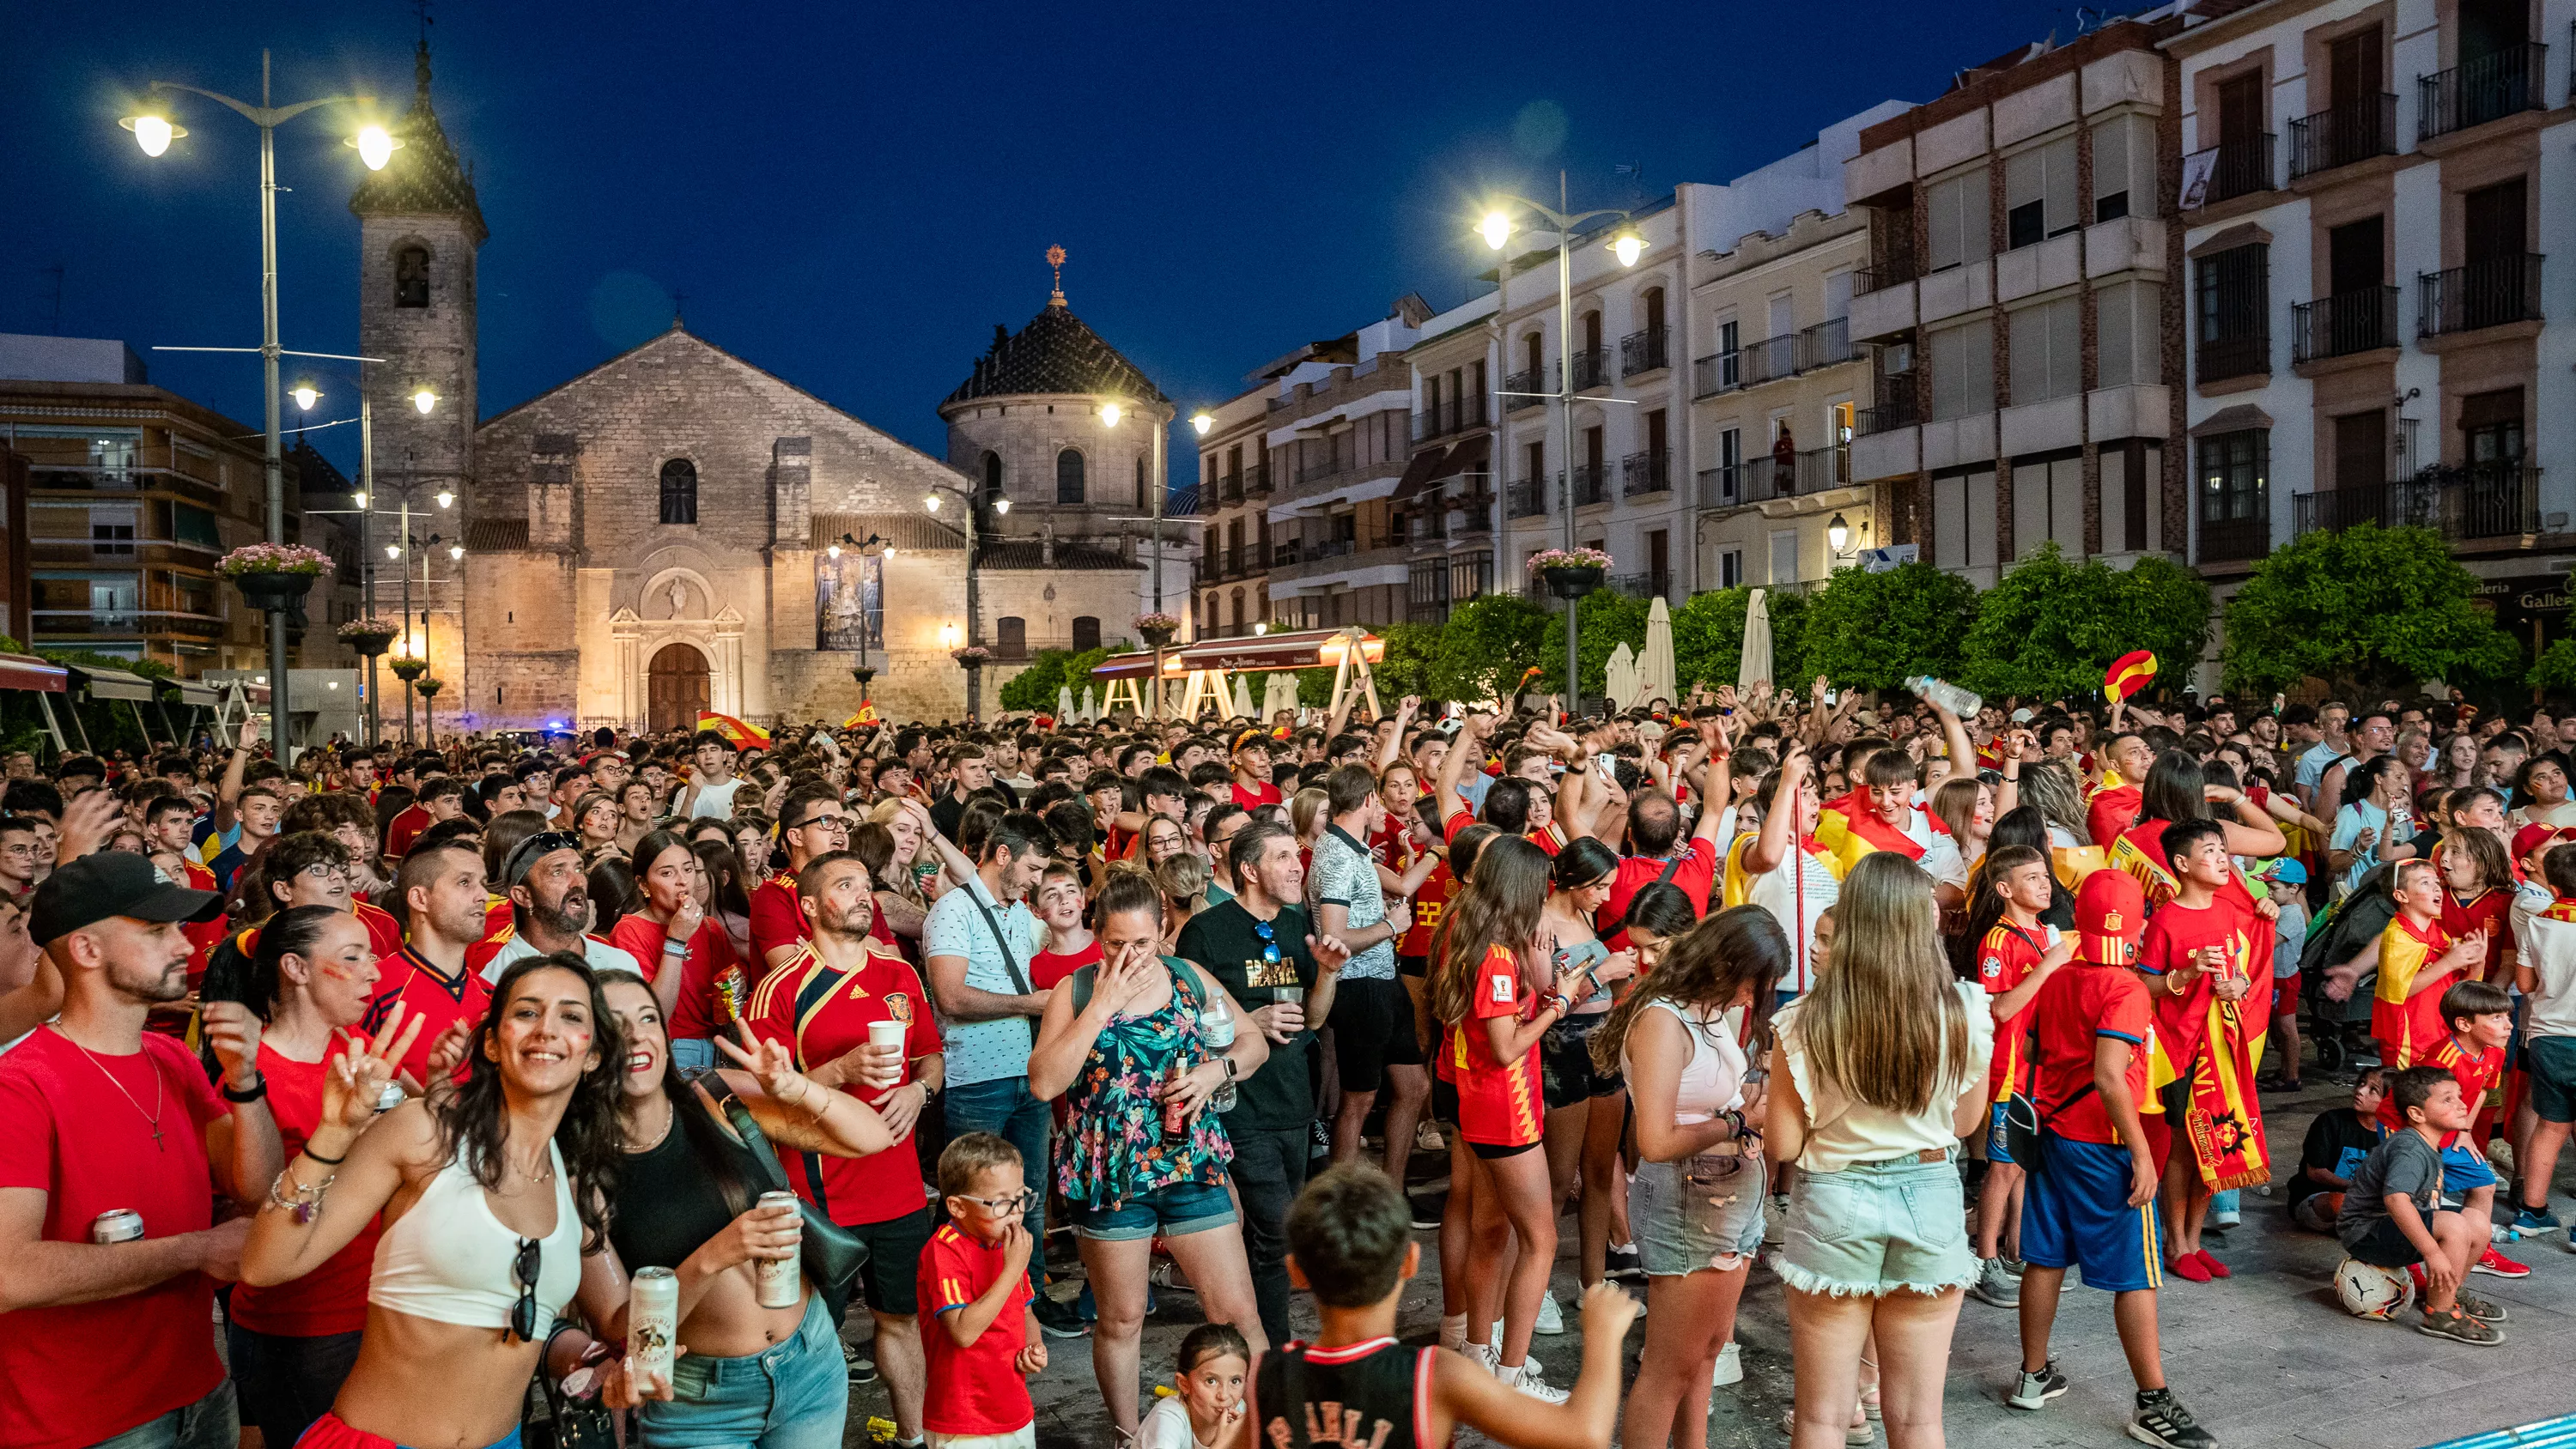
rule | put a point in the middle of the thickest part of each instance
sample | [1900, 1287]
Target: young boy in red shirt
[978, 1333]
[2416, 958]
[1070, 945]
[2014, 961]
[2480, 1016]
[2199, 946]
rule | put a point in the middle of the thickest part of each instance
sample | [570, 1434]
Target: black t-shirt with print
[1222, 940]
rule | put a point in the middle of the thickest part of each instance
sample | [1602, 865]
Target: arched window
[992, 476]
[679, 491]
[1011, 637]
[1068, 476]
[411, 277]
[1086, 633]
[1238, 611]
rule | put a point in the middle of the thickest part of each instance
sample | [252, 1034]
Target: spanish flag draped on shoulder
[744, 736]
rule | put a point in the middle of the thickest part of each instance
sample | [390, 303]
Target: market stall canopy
[26, 671]
[1306, 649]
[113, 684]
[189, 692]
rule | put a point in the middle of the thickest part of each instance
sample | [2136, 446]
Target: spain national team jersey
[1498, 1101]
[384, 934]
[2005, 960]
[437, 1000]
[2476, 1072]
[2489, 911]
[2174, 937]
[2406, 1022]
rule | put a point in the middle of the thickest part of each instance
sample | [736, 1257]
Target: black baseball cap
[108, 883]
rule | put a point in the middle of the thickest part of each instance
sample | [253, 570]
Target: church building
[678, 529]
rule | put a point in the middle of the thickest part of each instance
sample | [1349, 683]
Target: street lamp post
[1627, 246]
[974, 624]
[154, 132]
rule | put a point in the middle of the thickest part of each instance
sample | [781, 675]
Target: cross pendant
[156, 1138]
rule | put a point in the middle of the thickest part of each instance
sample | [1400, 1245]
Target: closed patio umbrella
[1756, 665]
[1655, 673]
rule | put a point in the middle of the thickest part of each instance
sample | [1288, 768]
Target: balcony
[1771, 358]
[1826, 344]
[2236, 168]
[1760, 480]
[2342, 134]
[1713, 374]
[1591, 368]
[1896, 409]
[1641, 585]
[2219, 359]
[1256, 481]
[1458, 415]
[44, 477]
[2343, 324]
[1591, 484]
[2466, 503]
[1475, 516]
[1429, 526]
[1229, 489]
[1643, 352]
[1320, 470]
[2482, 294]
[1525, 499]
[52, 624]
[1644, 474]
[1524, 390]
[2235, 540]
[2489, 88]
[1895, 272]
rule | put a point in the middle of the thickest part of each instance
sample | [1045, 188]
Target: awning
[26, 671]
[189, 692]
[1426, 465]
[1306, 649]
[1471, 456]
[114, 684]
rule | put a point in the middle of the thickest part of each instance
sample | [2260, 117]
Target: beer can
[116, 1225]
[781, 1279]
[389, 1096]
[653, 1322]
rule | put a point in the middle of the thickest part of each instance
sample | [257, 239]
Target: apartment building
[134, 493]
[2379, 216]
[1447, 491]
[1231, 580]
[2019, 305]
[1339, 436]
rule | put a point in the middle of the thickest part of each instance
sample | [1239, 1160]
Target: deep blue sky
[852, 195]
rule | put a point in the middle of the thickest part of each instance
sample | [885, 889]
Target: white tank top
[1713, 1079]
[715, 800]
[449, 1258]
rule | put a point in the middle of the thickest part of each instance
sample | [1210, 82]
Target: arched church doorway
[678, 694]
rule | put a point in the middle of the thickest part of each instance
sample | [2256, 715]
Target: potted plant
[429, 686]
[275, 577]
[863, 673]
[408, 669]
[1157, 628]
[370, 637]
[972, 656]
[1570, 573]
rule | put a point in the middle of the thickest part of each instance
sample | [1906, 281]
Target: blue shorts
[1998, 1146]
[1174, 1210]
[2549, 1062]
[2464, 1171]
[2075, 1214]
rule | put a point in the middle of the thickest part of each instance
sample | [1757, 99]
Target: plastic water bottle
[1216, 1033]
[1951, 697]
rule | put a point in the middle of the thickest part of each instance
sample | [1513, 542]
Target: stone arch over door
[677, 688]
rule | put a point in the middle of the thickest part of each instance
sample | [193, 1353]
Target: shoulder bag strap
[1010, 962]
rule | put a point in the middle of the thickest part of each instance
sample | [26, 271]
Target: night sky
[852, 195]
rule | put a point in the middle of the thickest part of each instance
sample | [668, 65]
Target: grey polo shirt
[1345, 875]
[984, 1051]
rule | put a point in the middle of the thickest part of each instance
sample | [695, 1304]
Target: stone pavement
[2264, 1359]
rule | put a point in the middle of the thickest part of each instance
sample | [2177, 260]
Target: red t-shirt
[1547, 838]
[333, 1297]
[1456, 821]
[1498, 1101]
[436, 999]
[1253, 797]
[2491, 912]
[77, 1373]
[2005, 960]
[2078, 1006]
[2112, 813]
[497, 919]
[697, 1011]
[2173, 933]
[1046, 968]
[2476, 1072]
[1695, 871]
[1429, 904]
[2405, 1022]
[840, 1004]
[405, 829]
[975, 1389]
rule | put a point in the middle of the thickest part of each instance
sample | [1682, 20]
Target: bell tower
[418, 228]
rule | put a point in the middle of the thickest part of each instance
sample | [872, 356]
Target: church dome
[1056, 353]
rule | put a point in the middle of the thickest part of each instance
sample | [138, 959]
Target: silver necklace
[160, 1089]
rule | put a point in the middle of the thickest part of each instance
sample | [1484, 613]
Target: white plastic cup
[781, 1279]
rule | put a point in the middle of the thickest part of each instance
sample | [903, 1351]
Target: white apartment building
[1452, 505]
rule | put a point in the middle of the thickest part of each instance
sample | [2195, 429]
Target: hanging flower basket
[1570, 573]
[1157, 629]
[370, 637]
[972, 656]
[429, 686]
[408, 670]
[863, 673]
[275, 577]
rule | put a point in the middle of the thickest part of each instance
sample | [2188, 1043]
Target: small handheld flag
[2128, 674]
[744, 736]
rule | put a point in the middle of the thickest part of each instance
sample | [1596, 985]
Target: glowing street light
[931, 502]
[1110, 413]
[375, 146]
[1203, 422]
[305, 395]
[424, 399]
[153, 133]
[446, 498]
[1627, 246]
[1497, 229]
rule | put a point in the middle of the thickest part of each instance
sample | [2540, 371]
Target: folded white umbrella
[1064, 702]
[1090, 706]
[1243, 695]
[1655, 667]
[1756, 665]
[1619, 677]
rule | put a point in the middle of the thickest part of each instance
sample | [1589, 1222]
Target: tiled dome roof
[424, 176]
[1056, 353]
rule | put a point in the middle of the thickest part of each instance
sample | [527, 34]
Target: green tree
[1870, 631]
[2050, 627]
[1412, 653]
[1486, 646]
[2555, 669]
[2369, 610]
[1033, 689]
[1708, 635]
[1609, 620]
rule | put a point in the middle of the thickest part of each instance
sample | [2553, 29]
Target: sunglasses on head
[524, 1269]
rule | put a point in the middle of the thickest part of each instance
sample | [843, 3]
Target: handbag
[832, 1255]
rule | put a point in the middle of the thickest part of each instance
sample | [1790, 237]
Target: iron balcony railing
[2489, 88]
[1642, 474]
[1713, 374]
[1591, 484]
[2343, 133]
[2237, 168]
[2490, 293]
[1648, 585]
[1759, 480]
[1895, 410]
[1229, 488]
[2465, 503]
[1457, 415]
[1772, 357]
[1256, 481]
[1428, 526]
[1526, 499]
[2343, 324]
[1894, 272]
[1475, 516]
[1643, 351]
[1523, 390]
[1591, 368]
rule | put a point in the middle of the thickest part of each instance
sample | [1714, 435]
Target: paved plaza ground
[2265, 1358]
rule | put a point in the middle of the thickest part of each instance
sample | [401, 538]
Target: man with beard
[823, 1003]
[108, 1338]
[549, 910]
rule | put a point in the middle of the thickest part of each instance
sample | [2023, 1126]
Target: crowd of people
[443, 1072]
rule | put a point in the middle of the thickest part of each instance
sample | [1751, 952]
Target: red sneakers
[2497, 1265]
[2218, 1269]
[2190, 1267]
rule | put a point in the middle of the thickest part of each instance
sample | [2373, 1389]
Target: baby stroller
[2345, 929]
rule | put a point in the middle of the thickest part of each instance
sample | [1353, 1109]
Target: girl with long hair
[2541, 789]
[697, 977]
[2175, 790]
[595, 818]
[1696, 1205]
[1876, 1073]
[1587, 1105]
[1967, 806]
[1492, 988]
[1457, 1215]
[493, 1201]
[727, 899]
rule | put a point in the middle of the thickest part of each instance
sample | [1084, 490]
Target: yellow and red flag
[2128, 674]
[867, 715]
[744, 736]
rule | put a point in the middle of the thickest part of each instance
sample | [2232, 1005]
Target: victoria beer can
[781, 1279]
[116, 1225]
[653, 1322]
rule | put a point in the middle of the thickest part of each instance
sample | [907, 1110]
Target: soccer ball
[2369, 1292]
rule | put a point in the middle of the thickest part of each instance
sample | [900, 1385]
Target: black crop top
[668, 1204]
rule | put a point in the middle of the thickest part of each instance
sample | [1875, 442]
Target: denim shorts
[1696, 1214]
[1877, 1227]
[792, 1395]
[1174, 1210]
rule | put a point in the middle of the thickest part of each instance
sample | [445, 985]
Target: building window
[992, 475]
[2235, 503]
[1086, 633]
[1011, 637]
[1956, 210]
[2048, 350]
[2231, 328]
[1068, 476]
[2126, 316]
[411, 277]
[2039, 194]
[679, 491]
[1963, 370]
[2124, 168]
[1730, 568]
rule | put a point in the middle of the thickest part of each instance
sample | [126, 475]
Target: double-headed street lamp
[154, 131]
[965, 529]
[306, 395]
[1625, 244]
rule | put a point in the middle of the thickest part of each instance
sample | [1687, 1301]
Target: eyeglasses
[326, 872]
[1004, 1207]
[840, 823]
[524, 1268]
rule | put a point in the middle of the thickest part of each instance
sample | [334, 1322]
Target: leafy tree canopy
[1870, 631]
[2366, 609]
[1708, 636]
[1486, 646]
[1609, 620]
[2050, 627]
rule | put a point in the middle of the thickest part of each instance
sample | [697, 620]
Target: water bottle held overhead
[1951, 697]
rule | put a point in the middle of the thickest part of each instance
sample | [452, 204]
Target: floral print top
[1111, 1150]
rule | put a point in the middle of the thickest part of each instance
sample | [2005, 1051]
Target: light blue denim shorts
[1698, 1213]
[1877, 1227]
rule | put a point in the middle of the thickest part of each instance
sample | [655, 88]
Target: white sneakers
[1730, 1365]
[1526, 1379]
[1551, 1321]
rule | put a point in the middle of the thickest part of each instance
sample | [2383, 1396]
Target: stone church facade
[679, 530]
